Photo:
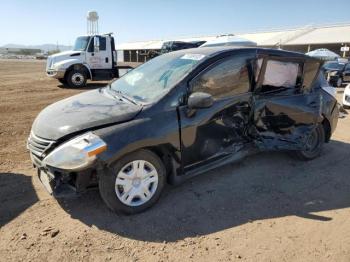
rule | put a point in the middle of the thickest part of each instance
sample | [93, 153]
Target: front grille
[39, 146]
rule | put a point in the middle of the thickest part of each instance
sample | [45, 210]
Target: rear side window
[310, 70]
[227, 78]
[281, 74]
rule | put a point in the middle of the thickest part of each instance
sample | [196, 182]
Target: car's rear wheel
[134, 183]
[76, 78]
[314, 144]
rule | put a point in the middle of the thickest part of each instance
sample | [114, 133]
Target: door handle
[106, 59]
[92, 54]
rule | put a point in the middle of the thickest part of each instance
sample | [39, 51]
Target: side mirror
[96, 44]
[199, 100]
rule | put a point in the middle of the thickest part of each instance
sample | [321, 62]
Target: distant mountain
[44, 47]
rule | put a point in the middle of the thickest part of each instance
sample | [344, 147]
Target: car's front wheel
[134, 183]
[314, 144]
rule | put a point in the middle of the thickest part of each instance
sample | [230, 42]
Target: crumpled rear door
[284, 121]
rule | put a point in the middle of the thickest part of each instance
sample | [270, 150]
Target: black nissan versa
[179, 115]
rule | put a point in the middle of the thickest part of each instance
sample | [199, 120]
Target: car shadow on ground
[266, 185]
[89, 86]
[16, 195]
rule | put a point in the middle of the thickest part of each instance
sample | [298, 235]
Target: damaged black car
[179, 115]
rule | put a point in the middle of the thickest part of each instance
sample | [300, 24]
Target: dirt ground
[270, 207]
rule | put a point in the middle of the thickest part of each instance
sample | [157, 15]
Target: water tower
[92, 23]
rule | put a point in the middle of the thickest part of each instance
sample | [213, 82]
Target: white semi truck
[93, 57]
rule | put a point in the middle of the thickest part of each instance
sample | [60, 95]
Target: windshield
[334, 65]
[81, 43]
[152, 80]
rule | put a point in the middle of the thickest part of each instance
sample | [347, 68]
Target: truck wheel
[314, 144]
[62, 81]
[134, 183]
[76, 78]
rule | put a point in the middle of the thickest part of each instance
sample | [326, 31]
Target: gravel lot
[270, 207]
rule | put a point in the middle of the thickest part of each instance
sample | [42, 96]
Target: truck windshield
[81, 43]
[152, 80]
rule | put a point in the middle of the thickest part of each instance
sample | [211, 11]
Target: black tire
[62, 81]
[76, 78]
[107, 182]
[316, 139]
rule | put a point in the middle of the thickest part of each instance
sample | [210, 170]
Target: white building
[303, 39]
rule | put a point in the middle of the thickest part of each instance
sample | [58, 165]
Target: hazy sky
[39, 21]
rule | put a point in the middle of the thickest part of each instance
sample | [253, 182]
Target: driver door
[100, 57]
[209, 134]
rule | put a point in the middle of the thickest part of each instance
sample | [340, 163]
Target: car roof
[213, 51]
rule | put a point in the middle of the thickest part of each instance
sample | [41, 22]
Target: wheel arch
[166, 154]
[79, 67]
[327, 129]
[169, 159]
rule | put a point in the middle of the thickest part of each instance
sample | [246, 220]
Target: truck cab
[93, 57]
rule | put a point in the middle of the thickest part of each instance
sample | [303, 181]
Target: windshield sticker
[196, 57]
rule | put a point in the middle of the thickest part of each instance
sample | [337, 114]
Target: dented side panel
[284, 121]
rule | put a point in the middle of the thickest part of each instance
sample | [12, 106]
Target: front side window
[152, 80]
[102, 43]
[227, 78]
[81, 43]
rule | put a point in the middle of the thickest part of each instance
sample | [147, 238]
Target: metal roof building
[303, 39]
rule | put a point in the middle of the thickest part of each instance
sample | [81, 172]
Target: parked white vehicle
[346, 97]
[93, 57]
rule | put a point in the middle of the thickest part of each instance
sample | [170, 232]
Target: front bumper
[58, 74]
[61, 183]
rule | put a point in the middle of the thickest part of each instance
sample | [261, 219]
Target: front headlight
[77, 153]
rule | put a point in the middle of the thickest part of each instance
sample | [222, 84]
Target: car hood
[82, 112]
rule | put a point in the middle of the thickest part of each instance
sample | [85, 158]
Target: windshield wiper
[123, 96]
